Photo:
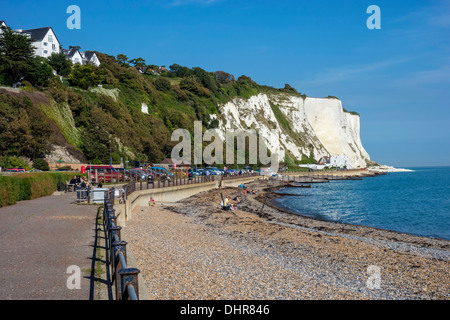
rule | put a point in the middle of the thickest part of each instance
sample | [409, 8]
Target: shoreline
[341, 228]
[384, 168]
[191, 244]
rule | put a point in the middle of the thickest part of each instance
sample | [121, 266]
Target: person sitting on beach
[226, 205]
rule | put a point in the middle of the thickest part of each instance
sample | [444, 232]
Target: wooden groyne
[300, 178]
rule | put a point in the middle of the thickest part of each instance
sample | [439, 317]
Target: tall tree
[16, 55]
[60, 63]
[85, 76]
[40, 72]
[122, 59]
[138, 63]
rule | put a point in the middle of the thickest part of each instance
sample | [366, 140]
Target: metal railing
[124, 279]
[179, 181]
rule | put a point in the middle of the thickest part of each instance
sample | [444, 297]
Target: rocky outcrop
[298, 126]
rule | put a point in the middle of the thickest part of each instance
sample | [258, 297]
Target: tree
[60, 63]
[138, 63]
[85, 76]
[40, 72]
[122, 59]
[41, 164]
[206, 79]
[224, 77]
[16, 55]
[180, 71]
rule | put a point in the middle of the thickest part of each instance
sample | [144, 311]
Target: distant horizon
[396, 77]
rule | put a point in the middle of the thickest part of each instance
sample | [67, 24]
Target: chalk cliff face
[312, 127]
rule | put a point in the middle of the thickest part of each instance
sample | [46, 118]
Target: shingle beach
[194, 250]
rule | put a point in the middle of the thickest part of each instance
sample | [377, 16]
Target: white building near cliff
[44, 40]
[74, 55]
[90, 57]
[340, 161]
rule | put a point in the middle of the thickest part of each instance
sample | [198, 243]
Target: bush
[29, 186]
[41, 164]
[85, 76]
[14, 162]
[162, 84]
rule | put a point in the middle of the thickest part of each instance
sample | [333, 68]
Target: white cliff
[339, 131]
[310, 126]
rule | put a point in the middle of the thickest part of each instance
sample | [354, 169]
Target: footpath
[41, 240]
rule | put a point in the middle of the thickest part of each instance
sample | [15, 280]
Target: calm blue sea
[412, 202]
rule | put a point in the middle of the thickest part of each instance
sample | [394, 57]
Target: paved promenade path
[39, 240]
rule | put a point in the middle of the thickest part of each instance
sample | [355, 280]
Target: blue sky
[397, 78]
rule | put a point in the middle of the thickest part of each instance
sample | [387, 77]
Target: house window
[53, 47]
[50, 38]
[45, 43]
[45, 51]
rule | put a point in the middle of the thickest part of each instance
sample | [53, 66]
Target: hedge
[27, 186]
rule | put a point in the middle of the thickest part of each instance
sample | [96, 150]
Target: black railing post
[129, 280]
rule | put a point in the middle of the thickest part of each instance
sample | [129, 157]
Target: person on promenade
[73, 182]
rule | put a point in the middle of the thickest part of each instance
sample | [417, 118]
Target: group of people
[79, 183]
[243, 186]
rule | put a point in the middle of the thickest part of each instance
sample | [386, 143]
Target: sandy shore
[194, 250]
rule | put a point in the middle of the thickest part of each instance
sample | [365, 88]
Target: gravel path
[194, 250]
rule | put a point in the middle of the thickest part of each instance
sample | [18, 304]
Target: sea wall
[141, 198]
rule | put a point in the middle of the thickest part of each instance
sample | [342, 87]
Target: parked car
[199, 172]
[139, 174]
[150, 176]
[104, 174]
[213, 171]
[125, 172]
[14, 170]
[161, 174]
[164, 170]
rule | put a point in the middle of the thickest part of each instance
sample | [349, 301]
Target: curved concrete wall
[141, 198]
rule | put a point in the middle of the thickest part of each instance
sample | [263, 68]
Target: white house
[340, 161]
[90, 57]
[2, 24]
[44, 40]
[74, 55]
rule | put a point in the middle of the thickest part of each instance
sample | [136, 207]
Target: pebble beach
[193, 250]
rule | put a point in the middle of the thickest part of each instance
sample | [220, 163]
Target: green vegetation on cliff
[96, 121]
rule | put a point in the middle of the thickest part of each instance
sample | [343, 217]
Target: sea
[416, 202]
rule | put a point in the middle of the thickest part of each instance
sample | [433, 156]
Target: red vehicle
[104, 174]
[14, 170]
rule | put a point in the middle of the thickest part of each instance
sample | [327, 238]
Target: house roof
[2, 22]
[39, 33]
[89, 54]
[70, 52]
